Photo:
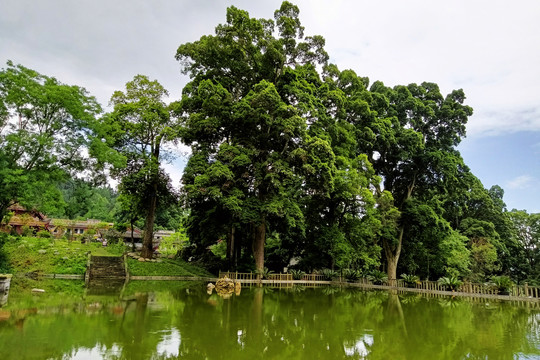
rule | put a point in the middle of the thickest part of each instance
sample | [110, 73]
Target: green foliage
[450, 283]
[454, 256]
[243, 114]
[526, 247]
[27, 231]
[483, 259]
[171, 245]
[44, 234]
[378, 277]
[53, 256]
[329, 274]
[352, 274]
[264, 273]
[4, 264]
[219, 249]
[84, 200]
[410, 280]
[502, 283]
[113, 236]
[132, 140]
[45, 127]
[297, 274]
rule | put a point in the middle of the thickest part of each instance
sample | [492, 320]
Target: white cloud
[520, 182]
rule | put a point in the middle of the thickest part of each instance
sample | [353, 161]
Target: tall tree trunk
[147, 249]
[231, 249]
[258, 245]
[392, 252]
[131, 222]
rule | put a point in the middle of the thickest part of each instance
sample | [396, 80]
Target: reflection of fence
[520, 291]
[476, 288]
[272, 277]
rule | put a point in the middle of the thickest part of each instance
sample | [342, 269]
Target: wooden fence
[521, 291]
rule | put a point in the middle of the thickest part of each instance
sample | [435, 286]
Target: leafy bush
[219, 249]
[172, 244]
[502, 283]
[410, 280]
[297, 274]
[113, 236]
[450, 283]
[27, 231]
[264, 273]
[329, 274]
[4, 264]
[44, 234]
[378, 277]
[352, 275]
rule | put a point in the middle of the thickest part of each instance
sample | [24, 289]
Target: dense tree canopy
[134, 136]
[243, 116]
[44, 127]
[330, 169]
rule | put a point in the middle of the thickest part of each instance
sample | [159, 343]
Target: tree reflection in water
[183, 321]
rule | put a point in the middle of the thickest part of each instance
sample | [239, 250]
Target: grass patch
[53, 256]
[168, 267]
[60, 256]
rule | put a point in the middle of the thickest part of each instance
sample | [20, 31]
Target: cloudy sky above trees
[491, 49]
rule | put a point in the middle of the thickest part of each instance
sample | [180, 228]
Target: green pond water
[179, 320]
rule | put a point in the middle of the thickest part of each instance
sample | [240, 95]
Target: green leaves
[46, 127]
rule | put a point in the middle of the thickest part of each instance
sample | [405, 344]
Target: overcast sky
[491, 49]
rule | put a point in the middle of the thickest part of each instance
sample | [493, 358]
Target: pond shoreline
[291, 283]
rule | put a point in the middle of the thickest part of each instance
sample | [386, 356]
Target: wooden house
[20, 218]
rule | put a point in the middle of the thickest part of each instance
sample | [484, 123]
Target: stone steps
[107, 267]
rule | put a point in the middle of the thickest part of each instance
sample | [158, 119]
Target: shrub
[113, 236]
[27, 231]
[44, 234]
[264, 273]
[502, 283]
[352, 275]
[4, 263]
[410, 280]
[297, 274]
[450, 283]
[329, 274]
[378, 277]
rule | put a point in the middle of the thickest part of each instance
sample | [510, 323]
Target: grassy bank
[60, 256]
[52, 256]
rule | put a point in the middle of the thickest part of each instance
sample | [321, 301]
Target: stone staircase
[106, 267]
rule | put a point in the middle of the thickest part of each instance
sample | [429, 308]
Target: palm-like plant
[410, 280]
[502, 283]
[329, 274]
[450, 283]
[378, 277]
[352, 275]
[297, 274]
[264, 273]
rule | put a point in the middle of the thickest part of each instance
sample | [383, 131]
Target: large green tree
[526, 257]
[44, 127]
[243, 117]
[411, 143]
[133, 137]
